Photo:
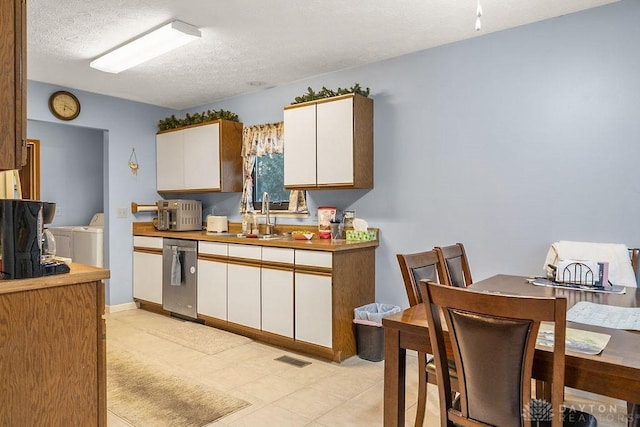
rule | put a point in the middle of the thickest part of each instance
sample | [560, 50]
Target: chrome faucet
[265, 212]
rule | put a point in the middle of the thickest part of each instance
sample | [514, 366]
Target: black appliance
[21, 232]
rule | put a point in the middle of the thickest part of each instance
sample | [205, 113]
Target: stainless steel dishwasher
[179, 277]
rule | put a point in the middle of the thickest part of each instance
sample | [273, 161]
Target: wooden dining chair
[454, 265]
[415, 267]
[493, 339]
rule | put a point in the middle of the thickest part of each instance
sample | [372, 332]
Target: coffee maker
[21, 239]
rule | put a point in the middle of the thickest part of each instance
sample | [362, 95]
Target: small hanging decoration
[478, 14]
[133, 162]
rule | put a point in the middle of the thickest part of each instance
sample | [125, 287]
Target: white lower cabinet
[277, 302]
[147, 277]
[212, 280]
[314, 298]
[243, 285]
[277, 291]
[147, 268]
[313, 309]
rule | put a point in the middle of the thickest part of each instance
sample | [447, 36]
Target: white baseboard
[121, 307]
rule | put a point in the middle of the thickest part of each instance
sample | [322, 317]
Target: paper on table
[576, 340]
[608, 316]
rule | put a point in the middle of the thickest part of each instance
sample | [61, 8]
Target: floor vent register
[293, 361]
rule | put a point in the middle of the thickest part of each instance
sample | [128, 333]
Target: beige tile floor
[319, 394]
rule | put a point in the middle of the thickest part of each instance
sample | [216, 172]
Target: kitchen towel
[176, 267]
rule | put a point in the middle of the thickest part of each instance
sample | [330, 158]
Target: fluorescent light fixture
[146, 47]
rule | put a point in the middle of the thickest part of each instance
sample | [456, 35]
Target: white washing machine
[84, 244]
[64, 240]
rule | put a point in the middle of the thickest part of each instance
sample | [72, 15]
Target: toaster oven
[179, 215]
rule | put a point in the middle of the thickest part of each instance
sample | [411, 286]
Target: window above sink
[263, 166]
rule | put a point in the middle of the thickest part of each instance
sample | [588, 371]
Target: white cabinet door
[243, 292]
[277, 301]
[147, 276]
[300, 151]
[313, 313]
[212, 288]
[334, 149]
[170, 161]
[202, 157]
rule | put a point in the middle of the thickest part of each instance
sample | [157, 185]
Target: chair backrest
[415, 267]
[455, 265]
[492, 338]
[634, 254]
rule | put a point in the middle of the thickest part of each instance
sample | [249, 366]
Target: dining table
[615, 372]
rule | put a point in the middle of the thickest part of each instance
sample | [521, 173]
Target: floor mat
[146, 397]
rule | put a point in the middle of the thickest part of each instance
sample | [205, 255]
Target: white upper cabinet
[334, 142]
[329, 143]
[170, 161]
[200, 158]
[300, 146]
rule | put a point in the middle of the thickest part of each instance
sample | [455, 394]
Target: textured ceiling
[251, 44]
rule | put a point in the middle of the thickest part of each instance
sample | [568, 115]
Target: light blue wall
[506, 142]
[125, 125]
[71, 170]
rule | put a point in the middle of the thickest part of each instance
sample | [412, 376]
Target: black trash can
[369, 331]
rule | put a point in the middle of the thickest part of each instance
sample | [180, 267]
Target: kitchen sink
[270, 236]
[250, 236]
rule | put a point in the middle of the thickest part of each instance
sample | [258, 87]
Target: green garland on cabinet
[323, 93]
[192, 119]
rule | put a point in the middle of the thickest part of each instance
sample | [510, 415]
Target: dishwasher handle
[183, 248]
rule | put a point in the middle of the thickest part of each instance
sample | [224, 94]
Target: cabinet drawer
[314, 258]
[245, 251]
[147, 242]
[278, 255]
[213, 248]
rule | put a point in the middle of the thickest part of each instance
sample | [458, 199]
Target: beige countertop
[329, 245]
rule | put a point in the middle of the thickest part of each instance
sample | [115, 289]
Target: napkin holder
[590, 273]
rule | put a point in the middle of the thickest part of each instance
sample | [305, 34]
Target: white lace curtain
[258, 140]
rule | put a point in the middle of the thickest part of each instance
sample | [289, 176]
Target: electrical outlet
[122, 212]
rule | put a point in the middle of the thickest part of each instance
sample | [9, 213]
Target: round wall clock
[64, 105]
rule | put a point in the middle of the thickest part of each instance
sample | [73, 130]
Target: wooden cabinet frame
[228, 157]
[318, 140]
[353, 284]
[13, 83]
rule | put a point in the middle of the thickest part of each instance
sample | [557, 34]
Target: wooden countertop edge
[328, 245]
[79, 273]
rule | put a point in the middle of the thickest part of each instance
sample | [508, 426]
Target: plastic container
[254, 225]
[326, 215]
[361, 235]
[369, 331]
[246, 223]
